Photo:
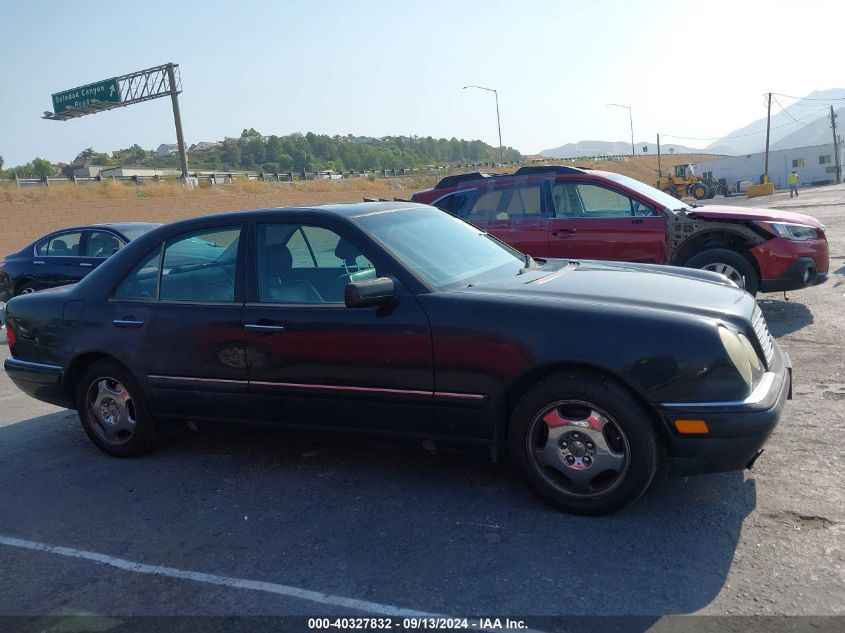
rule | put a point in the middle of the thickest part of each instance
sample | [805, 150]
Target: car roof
[348, 210]
[528, 170]
[115, 226]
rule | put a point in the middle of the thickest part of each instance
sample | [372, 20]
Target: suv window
[455, 203]
[102, 244]
[62, 245]
[585, 200]
[509, 204]
[307, 264]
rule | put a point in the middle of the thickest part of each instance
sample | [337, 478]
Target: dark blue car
[64, 256]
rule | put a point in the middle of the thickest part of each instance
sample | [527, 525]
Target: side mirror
[374, 292]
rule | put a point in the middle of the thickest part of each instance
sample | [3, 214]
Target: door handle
[39, 263]
[564, 233]
[86, 264]
[260, 327]
[128, 322]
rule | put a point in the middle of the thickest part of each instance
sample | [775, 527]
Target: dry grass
[643, 168]
[108, 190]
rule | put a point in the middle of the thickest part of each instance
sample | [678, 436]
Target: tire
[730, 263]
[671, 190]
[27, 288]
[114, 412]
[699, 191]
[558, 420]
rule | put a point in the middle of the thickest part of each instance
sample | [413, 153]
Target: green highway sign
[106, 92]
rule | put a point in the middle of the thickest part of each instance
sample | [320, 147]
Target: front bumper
[737, 430]
[802, 273]
[38, 380]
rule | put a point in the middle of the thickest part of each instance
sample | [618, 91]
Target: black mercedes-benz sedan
[400, 319]
[64, 256]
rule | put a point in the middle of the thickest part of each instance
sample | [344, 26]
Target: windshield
[658, 196]
[444, 251]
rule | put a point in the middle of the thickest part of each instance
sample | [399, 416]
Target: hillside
[800, 125]
[612, 148]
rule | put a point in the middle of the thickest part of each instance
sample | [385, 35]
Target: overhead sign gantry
[125, 90]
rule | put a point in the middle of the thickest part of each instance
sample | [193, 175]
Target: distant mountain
[811, 128]
[610, 148]
[818, 132]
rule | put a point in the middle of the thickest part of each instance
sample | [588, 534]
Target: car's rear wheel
[583, 443]
[729, 263]
[114, 412]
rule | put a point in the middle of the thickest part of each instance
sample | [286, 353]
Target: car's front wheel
[583, 443]
[114, 412]
[729, 263]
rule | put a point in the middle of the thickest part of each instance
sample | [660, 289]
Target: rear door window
[195, 267]
[102, 244]
[62, 245]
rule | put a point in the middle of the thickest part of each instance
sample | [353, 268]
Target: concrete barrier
[766, 189]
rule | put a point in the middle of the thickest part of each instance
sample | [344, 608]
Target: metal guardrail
[224, 177]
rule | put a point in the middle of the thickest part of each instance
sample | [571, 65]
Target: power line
[809, 98]
[793, 118]
[724, 138]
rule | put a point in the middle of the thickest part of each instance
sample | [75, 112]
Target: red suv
[573, 213]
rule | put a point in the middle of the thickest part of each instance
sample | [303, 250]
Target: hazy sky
[696, 69]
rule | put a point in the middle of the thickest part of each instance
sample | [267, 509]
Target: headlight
[789, 230]
[742, 354]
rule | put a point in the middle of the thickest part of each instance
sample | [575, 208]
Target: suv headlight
[742, 354]
[790, 230]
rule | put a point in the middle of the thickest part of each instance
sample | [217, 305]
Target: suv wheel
[583, 443]
[729, 263]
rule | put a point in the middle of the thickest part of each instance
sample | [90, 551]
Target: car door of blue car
[56, 260]
[97, 247]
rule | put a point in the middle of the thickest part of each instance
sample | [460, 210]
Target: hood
[724, 212]
[643, 286]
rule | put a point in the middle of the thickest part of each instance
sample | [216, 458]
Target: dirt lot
[248, 521]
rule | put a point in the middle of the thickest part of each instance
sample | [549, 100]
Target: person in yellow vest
[793, 183]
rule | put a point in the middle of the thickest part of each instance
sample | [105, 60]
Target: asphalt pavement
[251, 521]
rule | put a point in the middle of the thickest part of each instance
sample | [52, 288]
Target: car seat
[277, 283]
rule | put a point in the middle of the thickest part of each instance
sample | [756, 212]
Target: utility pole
[835, 146]
[659, 170]
[768, 127]
[177, 118]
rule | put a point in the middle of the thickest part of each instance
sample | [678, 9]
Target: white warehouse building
[816, 165]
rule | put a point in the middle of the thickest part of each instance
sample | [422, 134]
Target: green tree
[1, 162]
[231, 153]
[42, 168]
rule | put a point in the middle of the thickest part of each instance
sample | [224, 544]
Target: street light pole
[498, 119]
[630, 121]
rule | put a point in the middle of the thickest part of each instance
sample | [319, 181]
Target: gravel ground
[439, 534]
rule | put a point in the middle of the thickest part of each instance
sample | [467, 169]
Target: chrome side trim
[257, 327]
[756, 397]
[444, 395]
[343, 388]
[24, 364]
[449, 395]
[202, 380]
